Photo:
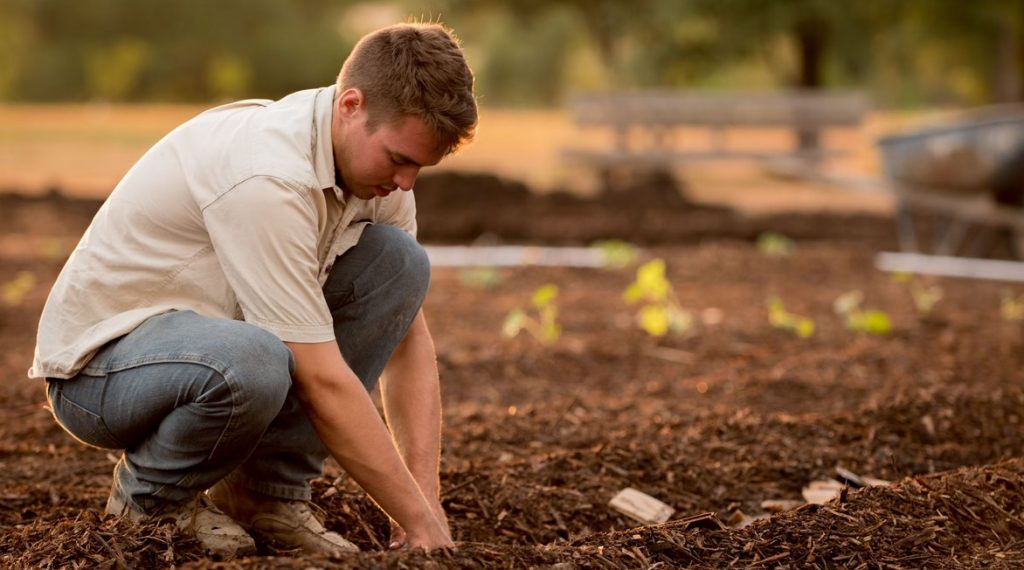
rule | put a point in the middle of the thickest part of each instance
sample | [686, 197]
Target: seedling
[479, 277]
[780, 318]
[14, 291]
[661, 311]
[925, 296]
[1011, 307]
[542, 323]
[869, 321]
[775, 245]
[615, 253]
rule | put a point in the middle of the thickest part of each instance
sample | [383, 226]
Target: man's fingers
[398, 538]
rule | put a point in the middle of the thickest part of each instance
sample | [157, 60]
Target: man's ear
[349, 102]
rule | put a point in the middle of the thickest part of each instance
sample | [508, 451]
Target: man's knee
[402, 254]
[257, 366]
[386, 259]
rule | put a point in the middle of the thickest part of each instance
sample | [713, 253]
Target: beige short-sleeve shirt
[234, 214]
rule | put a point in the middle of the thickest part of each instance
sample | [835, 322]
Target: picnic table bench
[646, 125]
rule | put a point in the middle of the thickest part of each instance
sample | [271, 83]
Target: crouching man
[243, 288]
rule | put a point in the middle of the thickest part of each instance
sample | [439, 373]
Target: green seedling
[924, 296]
[14, 291]
[541, 323]
[869, 321]
[660, 312]
[615, 253]
[780, 318]
[775, 245]
[479, 277]
[1011, 307]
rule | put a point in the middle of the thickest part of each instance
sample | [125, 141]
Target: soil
[538, 438]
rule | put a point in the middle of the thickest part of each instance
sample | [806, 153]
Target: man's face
[374, 163]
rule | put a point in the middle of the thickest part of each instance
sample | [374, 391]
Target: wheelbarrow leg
[949, 234]
[905, 230]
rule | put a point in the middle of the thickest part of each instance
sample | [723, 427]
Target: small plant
[661, 311]
[1011, 307]
[479, 277]
[543, 324]
[14, 291]
[925, 296]
[615, 253]
[869, 321]
[780, 318]
[775, 245]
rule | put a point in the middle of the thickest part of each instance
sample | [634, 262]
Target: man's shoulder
[266, 137]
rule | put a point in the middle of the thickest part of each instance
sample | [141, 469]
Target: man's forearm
[345, 419]
[412, 405]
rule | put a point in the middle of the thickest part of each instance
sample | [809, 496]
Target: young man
[242, 289]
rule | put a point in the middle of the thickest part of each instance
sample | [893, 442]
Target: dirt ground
[538, 439]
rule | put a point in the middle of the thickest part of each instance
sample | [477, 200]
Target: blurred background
[86, 87]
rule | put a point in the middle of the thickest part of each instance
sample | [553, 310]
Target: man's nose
[405, 177]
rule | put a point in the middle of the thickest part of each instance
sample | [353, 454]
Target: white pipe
[967, 267]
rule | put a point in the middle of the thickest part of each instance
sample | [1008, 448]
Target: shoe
[220, 536]
[289, 523]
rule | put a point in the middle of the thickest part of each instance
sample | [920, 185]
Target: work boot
[286, 522]
[220, 536]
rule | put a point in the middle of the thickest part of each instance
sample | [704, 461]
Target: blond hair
[414, 69]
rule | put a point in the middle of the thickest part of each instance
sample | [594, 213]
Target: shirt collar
[323, 148]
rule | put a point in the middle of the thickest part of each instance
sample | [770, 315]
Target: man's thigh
[178, 359]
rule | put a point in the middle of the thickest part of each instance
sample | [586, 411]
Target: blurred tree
[984, 36]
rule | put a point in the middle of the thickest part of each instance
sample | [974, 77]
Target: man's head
[414, 69]
[401, 80]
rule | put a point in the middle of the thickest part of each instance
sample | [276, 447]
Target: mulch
[539, 438]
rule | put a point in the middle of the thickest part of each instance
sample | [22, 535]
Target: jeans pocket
[85, 426]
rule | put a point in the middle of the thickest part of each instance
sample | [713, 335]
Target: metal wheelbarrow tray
[942, 179]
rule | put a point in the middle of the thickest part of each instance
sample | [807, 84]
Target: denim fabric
[192, 399]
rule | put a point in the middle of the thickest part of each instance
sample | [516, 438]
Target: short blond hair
[414, 69]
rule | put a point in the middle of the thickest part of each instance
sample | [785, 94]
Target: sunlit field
[82, 150]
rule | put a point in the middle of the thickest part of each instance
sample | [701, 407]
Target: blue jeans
[192, 399]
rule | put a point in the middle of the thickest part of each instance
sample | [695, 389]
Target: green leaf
[513, 323]
[847, 302]
[544, 295]
[775, 245]
[876, 322]
[650, 277]
[804, 327]
[615, 253]
[653, 320]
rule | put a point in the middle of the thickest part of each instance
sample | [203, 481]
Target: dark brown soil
[539, 438]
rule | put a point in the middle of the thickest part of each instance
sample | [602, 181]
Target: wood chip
[640, 506]
[821, 492]
[779, 505]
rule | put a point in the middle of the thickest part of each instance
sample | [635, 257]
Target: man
[242, 289]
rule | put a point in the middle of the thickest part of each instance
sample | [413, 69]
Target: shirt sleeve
[264, 234]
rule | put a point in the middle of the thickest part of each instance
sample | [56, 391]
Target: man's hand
[348, 423]
[399, 538]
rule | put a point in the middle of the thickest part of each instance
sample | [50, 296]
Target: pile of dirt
[459, 208]
[464, 208]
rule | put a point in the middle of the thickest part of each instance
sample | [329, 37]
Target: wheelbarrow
[954, 185]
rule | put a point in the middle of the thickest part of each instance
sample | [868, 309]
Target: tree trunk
[812, 38]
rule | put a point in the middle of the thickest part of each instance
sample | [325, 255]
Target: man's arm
[412, 405]
[411, 395]
[348, 423]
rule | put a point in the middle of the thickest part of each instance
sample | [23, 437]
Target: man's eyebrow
[405, 159]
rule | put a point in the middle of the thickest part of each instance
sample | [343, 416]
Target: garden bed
[538, 438]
